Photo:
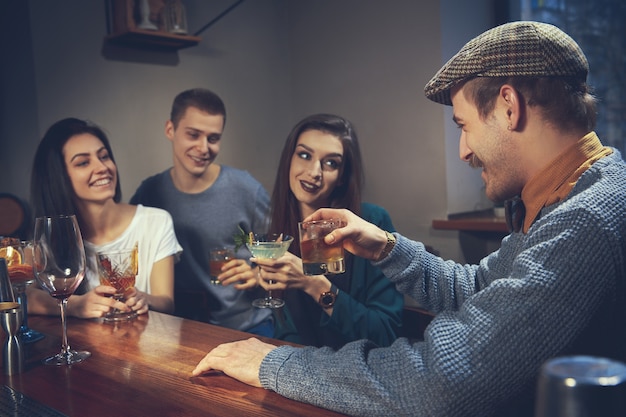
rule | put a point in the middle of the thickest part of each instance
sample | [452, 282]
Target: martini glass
[269, 246]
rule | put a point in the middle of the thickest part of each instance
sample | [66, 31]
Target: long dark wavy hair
[347, 194]
[51, 191]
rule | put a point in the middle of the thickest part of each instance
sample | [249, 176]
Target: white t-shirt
[153, 230]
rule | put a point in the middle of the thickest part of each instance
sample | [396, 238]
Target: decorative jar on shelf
[174, 17]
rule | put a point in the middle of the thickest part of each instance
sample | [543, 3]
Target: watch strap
[334, 289]
[391, 242]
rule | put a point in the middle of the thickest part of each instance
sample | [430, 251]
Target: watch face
[327, 299]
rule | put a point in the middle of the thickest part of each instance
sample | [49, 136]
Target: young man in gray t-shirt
[208, 202]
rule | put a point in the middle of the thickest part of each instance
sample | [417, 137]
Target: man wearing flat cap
[557, 285]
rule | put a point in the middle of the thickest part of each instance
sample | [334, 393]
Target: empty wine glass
[59, 264]
[269, 246]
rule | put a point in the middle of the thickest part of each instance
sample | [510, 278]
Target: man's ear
[169, 129]
[513, 106]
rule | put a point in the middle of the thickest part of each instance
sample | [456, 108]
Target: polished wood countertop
[142, 368]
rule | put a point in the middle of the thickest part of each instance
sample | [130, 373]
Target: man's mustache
[474, 162]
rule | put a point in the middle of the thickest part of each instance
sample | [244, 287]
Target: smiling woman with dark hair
[74, 172]
[321, 166]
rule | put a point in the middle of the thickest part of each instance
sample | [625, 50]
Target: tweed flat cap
[524, 49]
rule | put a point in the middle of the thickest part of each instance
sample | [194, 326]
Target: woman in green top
[321, 166]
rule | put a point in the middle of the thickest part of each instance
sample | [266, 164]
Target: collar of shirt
[555, 182]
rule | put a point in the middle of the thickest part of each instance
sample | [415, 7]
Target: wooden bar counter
[142, 368]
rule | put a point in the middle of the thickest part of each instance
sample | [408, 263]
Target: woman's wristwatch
[327, 299]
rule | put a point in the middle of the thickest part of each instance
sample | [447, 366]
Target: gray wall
[273, 62]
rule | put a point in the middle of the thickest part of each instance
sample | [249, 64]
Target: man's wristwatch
[327, 299]
[391, 242]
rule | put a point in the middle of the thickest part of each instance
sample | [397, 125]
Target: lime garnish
[241, 238]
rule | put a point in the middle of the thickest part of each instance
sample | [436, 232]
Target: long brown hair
[347, 194]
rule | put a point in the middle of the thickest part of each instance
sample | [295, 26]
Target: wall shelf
[140, 38]
[123, 28]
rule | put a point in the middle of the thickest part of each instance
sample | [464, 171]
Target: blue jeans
[265, 328]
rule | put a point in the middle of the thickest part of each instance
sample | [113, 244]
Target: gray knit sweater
[559, 289]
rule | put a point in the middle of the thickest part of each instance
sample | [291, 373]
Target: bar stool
[14, 218]
[581, 386]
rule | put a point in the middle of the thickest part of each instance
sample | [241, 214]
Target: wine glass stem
[65, 348]
[269, 292]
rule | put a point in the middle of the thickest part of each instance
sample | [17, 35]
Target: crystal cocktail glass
[118, 269]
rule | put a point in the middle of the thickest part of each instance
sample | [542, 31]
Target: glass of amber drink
[217, 258]
[18, 255]
[318, 257]
[118, 269]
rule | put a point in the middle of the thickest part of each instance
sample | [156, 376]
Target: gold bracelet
[391, 242]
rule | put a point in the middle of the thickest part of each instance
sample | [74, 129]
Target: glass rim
[57, 216]
[286, 238]
[323, 221]
[216, 248]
